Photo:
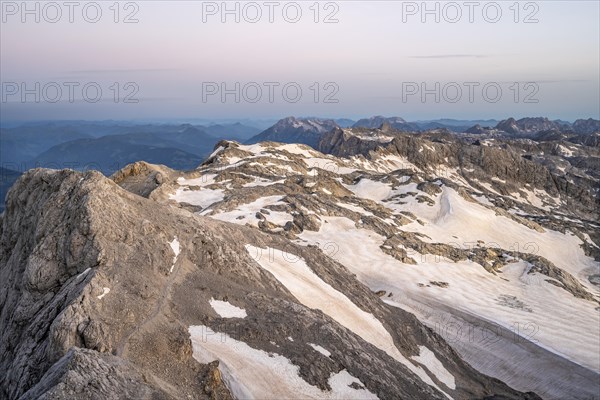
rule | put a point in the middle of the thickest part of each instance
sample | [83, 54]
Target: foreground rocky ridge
[107, 293]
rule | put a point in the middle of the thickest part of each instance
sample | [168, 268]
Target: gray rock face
[528, 125]
[88, 374]
[532, 126]
[559, 167]
[307, 131]
[339, 143]
[586, 126]
[478, 130]
[7, 179]
[141, 178]
[96, 304]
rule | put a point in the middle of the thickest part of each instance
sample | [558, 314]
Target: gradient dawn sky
[376, 59]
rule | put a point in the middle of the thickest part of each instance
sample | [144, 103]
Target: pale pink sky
[369, 54]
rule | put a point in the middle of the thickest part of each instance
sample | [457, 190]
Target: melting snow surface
[328, 165]
[203, 180]
[296, 149]
[84, 272]
[428, 359]
[375, 138]
[202, 197]
[565, 151]
[372, 190]
[251, 373]
[355, 208]
[293, 273]
[340, 384]
[261, 182]
[246, 213]
[227, 310]
[256, 149]
[566, 325]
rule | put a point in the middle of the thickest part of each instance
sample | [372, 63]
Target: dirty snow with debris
[293, 272]
[250, 373]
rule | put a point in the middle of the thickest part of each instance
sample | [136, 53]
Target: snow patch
[293, 273]
[340, 384]
[369, 189]
[176, 249]
[355, 208]
[428, 359]
[262, 182]
[320, 349]
[328, 165]
[249, 373]
[246, 213]
[105, 291]
[202, 198]
[565, 325]
[89, 269]
[217, 151]
[227, 310]
[564, 151]
[296, 149]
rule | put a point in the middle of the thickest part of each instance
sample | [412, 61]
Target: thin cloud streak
[119, 71]
[452, 56]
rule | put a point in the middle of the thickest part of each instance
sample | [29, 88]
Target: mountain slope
[108, 154]
[526, 126]
[296, 130]
[21, 145]
[498, 260]
[128, 296]
[236, 131]
[18, 145]
[556, 167]
[586, 126]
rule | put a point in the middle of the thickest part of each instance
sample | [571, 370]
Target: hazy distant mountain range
[25, 143]
[109, 145]
[309, 130]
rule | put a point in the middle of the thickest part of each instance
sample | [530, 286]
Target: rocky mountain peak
[296, 130]
[335, 273]
[586, 126]
[377, 121]
[528, 125]
[106, 293]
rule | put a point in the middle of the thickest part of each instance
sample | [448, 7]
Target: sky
[152, 60]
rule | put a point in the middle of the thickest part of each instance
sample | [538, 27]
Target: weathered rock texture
[92, 306]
